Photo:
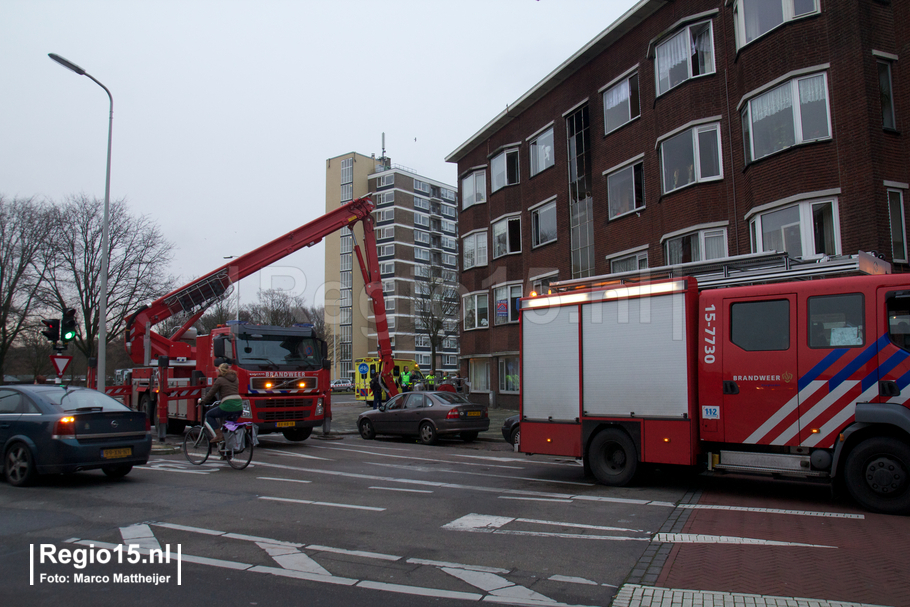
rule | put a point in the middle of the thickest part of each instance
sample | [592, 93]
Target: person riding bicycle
[227, 388]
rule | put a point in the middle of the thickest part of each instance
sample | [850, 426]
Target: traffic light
[68, 326]
[52, 333]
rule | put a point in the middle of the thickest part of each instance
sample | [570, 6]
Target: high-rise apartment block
[416, 227]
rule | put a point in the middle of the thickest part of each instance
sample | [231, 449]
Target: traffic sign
[60, 363]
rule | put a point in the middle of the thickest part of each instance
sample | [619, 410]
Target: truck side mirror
[218, 347]
[326, 364]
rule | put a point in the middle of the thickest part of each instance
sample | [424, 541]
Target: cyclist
[227, 389]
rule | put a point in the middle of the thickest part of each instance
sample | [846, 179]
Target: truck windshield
[278, 352]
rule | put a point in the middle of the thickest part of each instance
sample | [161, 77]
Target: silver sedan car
[427, 415]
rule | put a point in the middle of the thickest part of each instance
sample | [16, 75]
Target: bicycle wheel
[242, 458]
[196, 445]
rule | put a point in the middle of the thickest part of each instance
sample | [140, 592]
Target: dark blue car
[54, 429]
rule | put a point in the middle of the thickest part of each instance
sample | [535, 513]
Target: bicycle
[236, 448]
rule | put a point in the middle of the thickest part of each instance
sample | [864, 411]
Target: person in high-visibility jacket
[431, 382]
[405, 379]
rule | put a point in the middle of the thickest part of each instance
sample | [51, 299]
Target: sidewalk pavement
[344, 422]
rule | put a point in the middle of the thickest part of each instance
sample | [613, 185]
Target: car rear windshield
[72, 400]
[452, 399]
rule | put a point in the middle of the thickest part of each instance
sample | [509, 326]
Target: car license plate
[473, 413]
[116, 453]
[285, 424]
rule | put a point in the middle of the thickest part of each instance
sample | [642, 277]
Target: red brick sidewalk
[869, 564]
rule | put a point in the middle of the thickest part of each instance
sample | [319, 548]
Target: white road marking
[418, 459]
[498, 586]
[573, 580]
[285, 480]
[691, 538]
[773, 511]
[416, 590]
[312, 503]
[496, 476]
[368, 555]
[293, 559]
[303, 575]
[142, 535]
[535, 499]
[401, 489]
[295, 454]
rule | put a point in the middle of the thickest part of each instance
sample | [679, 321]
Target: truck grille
[290, 409]
[280, 416]
[283, 403]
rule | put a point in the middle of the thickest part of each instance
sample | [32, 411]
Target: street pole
[105, 236]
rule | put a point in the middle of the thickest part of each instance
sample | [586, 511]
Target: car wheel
[19, 465]
[469, 437]
[297, 434]
[427, 433]
[613, 458]
[117, 471]
[515, 437]
[367, 432]
[876, 475]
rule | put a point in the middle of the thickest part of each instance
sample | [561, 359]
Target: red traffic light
[52, 333]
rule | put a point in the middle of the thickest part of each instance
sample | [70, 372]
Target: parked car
[54, 429]
[510, 430]
[342, 385]
[428, 415]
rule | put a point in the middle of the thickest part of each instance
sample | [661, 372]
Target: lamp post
[237, 286]
[105, 253]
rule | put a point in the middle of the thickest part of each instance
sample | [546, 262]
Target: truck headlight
[319, 407]
[247, 410]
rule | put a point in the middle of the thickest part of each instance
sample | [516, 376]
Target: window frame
[696, 167]
[788, 13]
[510, 235]
[473, 238]
[627, 82]
[796, 115]
[703, 234]
[887, 113]
[903, 224]
[510, 161]
[638, 185]
[474, 298]
[510, 302]
[687, 30]
[533, 151]
[479, 368]
[811, 310]
[535, 223]
[806, 226]
[504, 387]
[764, 329]
[478, 189]
[638, 257]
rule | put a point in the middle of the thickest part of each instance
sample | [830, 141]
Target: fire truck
[283, 372]
[755, 364]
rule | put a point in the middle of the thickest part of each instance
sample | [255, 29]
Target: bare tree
[138, 258]
[434, 306]
[25, 238]
[279, 308]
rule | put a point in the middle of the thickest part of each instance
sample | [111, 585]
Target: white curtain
[771, 103]
[669, 55]
[812, 89]
[616, 95]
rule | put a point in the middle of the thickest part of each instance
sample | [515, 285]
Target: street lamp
[236, 286]
[105, 254]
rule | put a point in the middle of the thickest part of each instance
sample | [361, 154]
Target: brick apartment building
[688, 130]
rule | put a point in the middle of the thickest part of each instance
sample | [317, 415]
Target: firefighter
[405, 379]
[431, 381]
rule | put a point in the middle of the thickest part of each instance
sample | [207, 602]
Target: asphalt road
[337, 520]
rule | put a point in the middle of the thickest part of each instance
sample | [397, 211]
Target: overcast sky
[225, 111]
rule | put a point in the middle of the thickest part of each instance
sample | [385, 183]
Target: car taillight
[65, 427]
[148, 424]
[453, 414]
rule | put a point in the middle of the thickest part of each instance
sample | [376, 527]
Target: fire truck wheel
[366, 430]
[146, 404]
[176, 426]
[613, 458]
[297, 434]
[876, 475]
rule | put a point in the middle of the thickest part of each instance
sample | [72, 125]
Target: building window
[626, 190]
[386, 268]
[886, 92]
[421, 186]
[629, 263]
[479, 374]
[755, 18]
[790, 114]
[421, 220]
[806, 230]
[508, 374]
[447, 194]
[581, 203]
[383, 198]
[387, 250]
[388, 287]
[346, 262]
[390, 305]
[507, 236]
[621, 103]
[679, 153]
[421, 203]
[476, 311]
[506, 298]
[542, 152]
[449, 260]
[347, 170]
[347, 192]
[386, 180]
[760, 326]
[474, 189]
[448, 211]
[346, 280]
[687, 54]
[475, 250]
[421, 254]
[702, 245]
[543, 224]
[898, 231]
[421, 237]
[347, 243]
[385, 215]
[541, 284]
[504, 169]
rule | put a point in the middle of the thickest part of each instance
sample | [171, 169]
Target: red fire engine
[283, 372]
[744, 365]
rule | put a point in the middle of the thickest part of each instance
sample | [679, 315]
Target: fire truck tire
[876, 475]
[297, 434]
[150, 407]
[613, 458]
[176, 426]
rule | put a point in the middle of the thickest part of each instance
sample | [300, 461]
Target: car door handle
[730, 387]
